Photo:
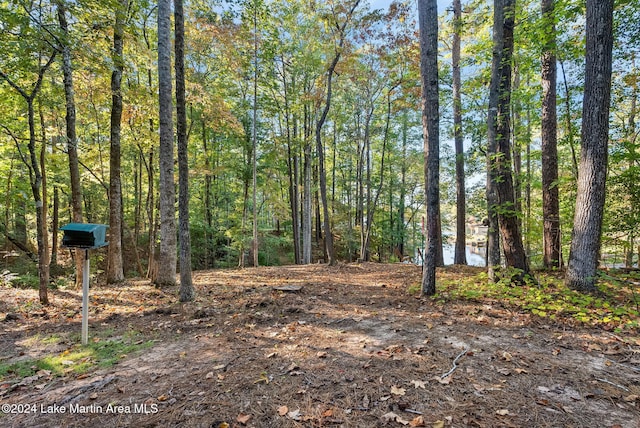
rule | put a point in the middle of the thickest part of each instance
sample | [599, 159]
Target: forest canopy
[279, 96]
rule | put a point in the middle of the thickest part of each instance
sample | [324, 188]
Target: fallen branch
[455, 363]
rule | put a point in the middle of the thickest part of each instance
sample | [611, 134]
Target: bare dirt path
[318, 346]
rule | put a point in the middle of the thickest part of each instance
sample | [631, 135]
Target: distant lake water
[475, 255]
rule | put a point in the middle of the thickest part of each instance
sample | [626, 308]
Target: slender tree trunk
[516, 147]
[499, 130]
[550, 198]
[45, 186]
[460, 253]
[187, 293]
[292, 171]
[371, 210]
[585, 244]
[306, 204]
[35, 176]
[208, 236]
[115, 270]
[70, 121]
[54, 227]
[254, 137]
[328, 234]
[167, 259]
[569, 125]
[428, 23]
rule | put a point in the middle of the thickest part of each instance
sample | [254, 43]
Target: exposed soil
[346, 346]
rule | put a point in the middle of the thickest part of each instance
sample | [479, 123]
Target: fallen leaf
[243, 419]
[506, 356]
[419, 384]
[438, 424]
[327, 413]
[391, 417]
[631, 398]
[283, 410]
[521, 371]
[502, 412]
[504, 371]
[418, 421]
[296, 415]
[93, 396]
[443, 380]
[209, 375]
[365, 402]
[219, 367]
[397, 390]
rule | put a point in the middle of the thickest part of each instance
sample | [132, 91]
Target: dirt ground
[317, 346]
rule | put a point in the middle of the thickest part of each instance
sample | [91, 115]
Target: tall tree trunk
[306, 200]
[569, 122]
[115, 270]
[372, 208]
[55, 220]
[328, 234]
[592, 175]
[292, 171]
[428, 23]
[35, 175]
[167, 259]
[550, 199]
[187, 293]
[208, 236]
[499, 130]
[70, 121]
[254, 138]
[460, 253]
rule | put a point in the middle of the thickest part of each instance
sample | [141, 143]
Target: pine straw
[349, 349]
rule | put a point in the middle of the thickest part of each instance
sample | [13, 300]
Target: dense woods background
[302, 121]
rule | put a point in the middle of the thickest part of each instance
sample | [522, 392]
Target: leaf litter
[340, 350]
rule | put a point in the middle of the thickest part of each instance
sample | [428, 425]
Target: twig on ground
[611, 383]
[455, 363]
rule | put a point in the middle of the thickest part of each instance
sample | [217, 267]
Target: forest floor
[313, 346]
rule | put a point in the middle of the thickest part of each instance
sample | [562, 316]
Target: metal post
[85, 298]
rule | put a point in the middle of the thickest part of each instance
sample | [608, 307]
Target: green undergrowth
[616, 306]
[102, 351]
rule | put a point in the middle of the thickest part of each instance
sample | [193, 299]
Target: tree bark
[428, 23]
[70, 121]
[167, 258]
[460, 252]
[306, 199]
[187, 292]
[552, 255]
[115, 270]
[35, 176]
[328, 234]
[498, 133]
[592, 172]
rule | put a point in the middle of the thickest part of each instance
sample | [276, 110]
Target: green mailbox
[84, 235]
